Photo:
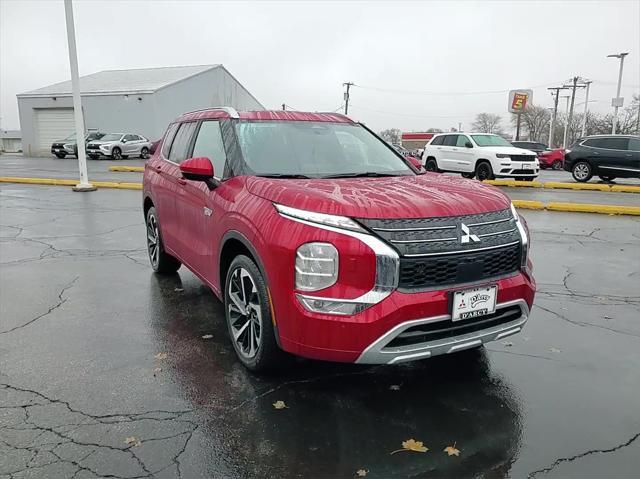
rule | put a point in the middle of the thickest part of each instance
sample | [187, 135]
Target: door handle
[157, 168]
[182, 181]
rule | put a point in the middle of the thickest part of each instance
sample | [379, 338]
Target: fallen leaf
[394, 387]
[178, 290]
[451, 450]
[555, 350]
[207, 336]
[133, 441]
[161, 356]
[508, 344]
[412, 445]
[362, 472]
[280, 405]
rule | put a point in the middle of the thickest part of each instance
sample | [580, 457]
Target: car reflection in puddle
[339, 417]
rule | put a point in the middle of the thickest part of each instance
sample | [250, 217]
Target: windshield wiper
[286, 175]
[369, 174]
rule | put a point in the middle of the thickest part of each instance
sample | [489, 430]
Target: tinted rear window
[168, 139]
[609, 143]
[451, 140]
[437, 140]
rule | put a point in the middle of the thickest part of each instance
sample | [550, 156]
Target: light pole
[551, 124]
[617, 102]
[84, 184]
[586, 108]
[566, 122]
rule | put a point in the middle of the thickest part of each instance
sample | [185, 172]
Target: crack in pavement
[581, 455]
[56, 439]
[584, 324]
[60, 302]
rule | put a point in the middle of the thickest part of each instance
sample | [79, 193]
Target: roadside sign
[519, 99]
[619, 102]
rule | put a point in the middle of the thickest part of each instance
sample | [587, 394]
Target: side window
[450, 140]
[462, 141]
[129, 137]
[209, 143]
[634, 144]
[168, 139]
[180, 145]
[611, 143]
[437, 140]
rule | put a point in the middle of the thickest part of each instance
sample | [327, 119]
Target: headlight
[341, 222]
[525, 237]
[68, 146]
[104, 147]
[502, 155]
[316, 266]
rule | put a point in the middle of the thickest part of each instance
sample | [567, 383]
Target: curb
[556, 185]
[130, 169]
[522, 204]
[62, 182]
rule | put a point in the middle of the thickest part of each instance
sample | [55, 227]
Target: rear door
[196, 209]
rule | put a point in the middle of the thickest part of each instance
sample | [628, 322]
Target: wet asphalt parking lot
[107, 370]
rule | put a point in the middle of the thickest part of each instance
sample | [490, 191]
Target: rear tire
[582, 171]
[144, 153]
[431, 165]
[60, 155]
[248, 316]
[161, 261]
[484, 171]
[556, 165]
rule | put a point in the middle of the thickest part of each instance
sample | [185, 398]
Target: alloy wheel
[483, 172]
[581, 171]
[116, 153]
[557, 165]
[244, 313]
[153, 240]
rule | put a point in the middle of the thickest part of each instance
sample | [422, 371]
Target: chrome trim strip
[375, 353]
[618, 168]
[430, 228]
[435, 240]
[424, 255]
[387, 265]
[497, 233]
[488, 222]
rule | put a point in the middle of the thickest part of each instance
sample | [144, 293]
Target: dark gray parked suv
[606, 156]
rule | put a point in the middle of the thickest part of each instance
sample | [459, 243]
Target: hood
[100, 142]
[422, 196]
[507, 150]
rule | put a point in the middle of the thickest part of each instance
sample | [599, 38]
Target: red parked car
[547, 157]
[323, 242]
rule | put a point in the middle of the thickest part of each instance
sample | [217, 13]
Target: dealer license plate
[527, 166]
[472, 303]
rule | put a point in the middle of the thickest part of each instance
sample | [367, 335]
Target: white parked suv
[480, 155]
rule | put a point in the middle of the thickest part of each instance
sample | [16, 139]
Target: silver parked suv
[118, 146]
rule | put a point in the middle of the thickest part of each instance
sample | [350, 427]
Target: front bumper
[378, 334]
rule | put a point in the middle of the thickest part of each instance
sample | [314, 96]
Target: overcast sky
[300, 53]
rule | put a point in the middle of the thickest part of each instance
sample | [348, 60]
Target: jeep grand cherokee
[321, 241]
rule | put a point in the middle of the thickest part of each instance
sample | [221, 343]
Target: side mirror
[199, 169]
[468, 144]
[124, 141]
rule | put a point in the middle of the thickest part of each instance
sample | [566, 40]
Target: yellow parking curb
[576, 186]
[587, 208]
[521, 184]
[130, 169]
[625, 188]
[62, 182]
[528, 205]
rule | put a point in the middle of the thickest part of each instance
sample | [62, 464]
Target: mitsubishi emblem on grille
[466, 235]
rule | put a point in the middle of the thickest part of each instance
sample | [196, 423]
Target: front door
[463, 156]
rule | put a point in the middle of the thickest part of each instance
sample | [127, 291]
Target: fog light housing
[316, 266]
[331, 306]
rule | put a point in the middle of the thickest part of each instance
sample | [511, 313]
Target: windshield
[490, 140]
[316, 149]
[72, 136]
[111, 137]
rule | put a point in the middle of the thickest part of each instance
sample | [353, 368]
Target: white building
[142, 101]
[10, 141]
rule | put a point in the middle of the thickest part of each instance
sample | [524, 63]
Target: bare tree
[487, 123]
[535, 121]
[434, 130]
[392, 136]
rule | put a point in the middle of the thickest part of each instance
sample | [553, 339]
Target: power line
[443, 93]
[409, 115]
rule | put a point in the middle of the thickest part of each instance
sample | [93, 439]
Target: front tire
[582, 171]
[484, 171]
[144, 153]
[431, 165]
[248, 315]
[161, 261]
[116, 153]
[60, 155]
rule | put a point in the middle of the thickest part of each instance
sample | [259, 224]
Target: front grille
[93, 147]
[421, 273]
[523, 157]
[425, 333]
[444, 251]
[57, 145]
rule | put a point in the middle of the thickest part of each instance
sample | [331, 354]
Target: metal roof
[122, 82]
[10, 134]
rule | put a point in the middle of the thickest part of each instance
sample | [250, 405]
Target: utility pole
[574, 85]
[556, 97]
[346, 97]
[84, 184]
[459, 126]
[586, 109]
[284, 107]
[617, 102]
[566, 122]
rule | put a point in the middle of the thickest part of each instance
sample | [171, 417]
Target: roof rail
[230, 110]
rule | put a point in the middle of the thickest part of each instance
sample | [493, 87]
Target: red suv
[323, 242]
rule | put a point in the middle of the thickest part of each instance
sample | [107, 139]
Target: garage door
[52, 124]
